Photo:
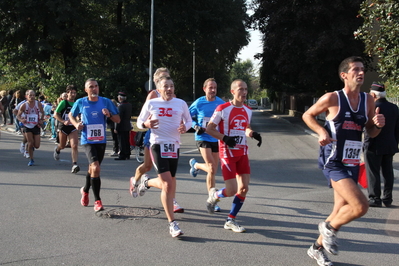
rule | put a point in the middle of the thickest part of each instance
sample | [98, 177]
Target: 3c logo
[165, 112]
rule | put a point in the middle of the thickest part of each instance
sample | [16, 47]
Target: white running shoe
[26, 155]
[212, 200]
[133, 187]
[22, 148]
[142, 188]
[174, 229]
[319, 256]
[329, 241]
[56, 154]
[231, 224]
[75, 169]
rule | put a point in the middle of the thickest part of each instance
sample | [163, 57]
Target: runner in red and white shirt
[230, 123]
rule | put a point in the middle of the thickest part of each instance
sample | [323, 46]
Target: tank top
[347, 128]
[31, 115]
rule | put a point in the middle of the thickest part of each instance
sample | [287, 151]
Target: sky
[254, 47]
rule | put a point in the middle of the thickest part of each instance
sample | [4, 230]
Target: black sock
[146, 183]
[86, 188]
[316, 245]
[95, 186]
[75, 163]
[329, 227]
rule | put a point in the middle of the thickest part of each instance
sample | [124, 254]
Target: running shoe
[26, 155]
[85, 197]
[319, 256]
[98, 206]
[217, 208]
[75, 169]
[56, 154]
[177, 208]
[142, 188]
[22, 148]
[52, 138]
[133, 187]
[329, 241]
[231, 224]
[174, 229]
[212, 200]
[193, 170]
[31, 163]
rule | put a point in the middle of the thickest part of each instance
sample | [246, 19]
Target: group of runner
[222, 129]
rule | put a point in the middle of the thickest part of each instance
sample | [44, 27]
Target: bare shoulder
[151, 95]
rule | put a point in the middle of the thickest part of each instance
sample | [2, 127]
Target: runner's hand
[258, 137]
[230, 141]
[199, 130]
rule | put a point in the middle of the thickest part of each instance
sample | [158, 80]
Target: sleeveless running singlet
[347, 128]
[32, 115]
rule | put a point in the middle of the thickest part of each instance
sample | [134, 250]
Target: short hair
[344, 66]
[28, 91]
[157, 73]
[164, 78]
[206, 81]
[70, 88]
[232, 86]
[90, 79]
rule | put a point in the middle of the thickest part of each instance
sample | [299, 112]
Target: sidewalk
[298, 122]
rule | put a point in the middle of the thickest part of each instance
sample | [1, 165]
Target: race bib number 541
[169, 150]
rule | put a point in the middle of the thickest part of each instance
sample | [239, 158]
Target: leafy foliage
[380, 32]
[48, 44]
[304, 42]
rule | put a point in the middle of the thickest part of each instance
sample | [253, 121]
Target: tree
[245, 70]
[380, 32]
[304, 42]
[57, 42]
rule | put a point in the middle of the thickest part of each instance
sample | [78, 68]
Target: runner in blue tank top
[201, 110]
[347, 113]
[94, 111]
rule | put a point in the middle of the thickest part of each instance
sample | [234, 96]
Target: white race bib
[95, 132]
[169, 150]
[205, 121]
[32, 119]
[240, 140]
[351, 153]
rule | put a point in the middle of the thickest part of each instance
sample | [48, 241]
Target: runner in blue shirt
[94, 111]
[201, 111]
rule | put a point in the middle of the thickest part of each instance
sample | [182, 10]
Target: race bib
[95, 132]
[205, 121]
[169, 150]
[240, 138]
[32, 119]
[351, 153]
[65, 117]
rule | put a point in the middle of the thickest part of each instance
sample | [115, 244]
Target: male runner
[66, 129]
[94, 111]
[233, 121]
[201, 111]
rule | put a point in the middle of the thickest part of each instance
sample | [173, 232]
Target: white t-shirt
[170, 114]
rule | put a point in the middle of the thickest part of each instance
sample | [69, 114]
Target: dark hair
[70, 88]
[344, 66]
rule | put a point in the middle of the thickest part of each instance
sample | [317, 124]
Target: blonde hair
[158, 72]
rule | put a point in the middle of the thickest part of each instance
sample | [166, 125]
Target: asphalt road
[43, 223]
